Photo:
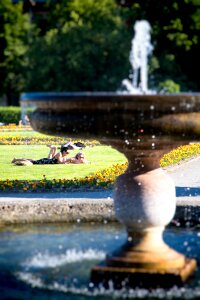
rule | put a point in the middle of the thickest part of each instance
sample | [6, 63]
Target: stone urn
[143, 128]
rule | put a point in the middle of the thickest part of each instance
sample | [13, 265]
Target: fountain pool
[45, 262]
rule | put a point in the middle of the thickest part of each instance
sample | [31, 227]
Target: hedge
[10, 114]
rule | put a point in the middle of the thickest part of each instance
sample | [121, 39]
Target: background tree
[14, 34]
[86, 48]
[85, 44]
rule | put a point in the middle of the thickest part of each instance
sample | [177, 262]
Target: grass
[106, 163]
[100, 157]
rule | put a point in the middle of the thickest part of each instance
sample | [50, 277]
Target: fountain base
[132, 268]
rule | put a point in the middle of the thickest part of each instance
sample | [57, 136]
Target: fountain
[140, 50]
[143, 127]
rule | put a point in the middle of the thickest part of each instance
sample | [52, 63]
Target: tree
[14, 35]
[86, 48]
[85, 45]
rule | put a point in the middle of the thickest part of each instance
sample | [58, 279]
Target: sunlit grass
[100, 157]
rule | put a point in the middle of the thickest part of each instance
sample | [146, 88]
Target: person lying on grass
[79, 158]
[54, 157]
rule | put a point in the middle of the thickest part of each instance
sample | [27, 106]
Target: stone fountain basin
[107, 116]
[143, 127]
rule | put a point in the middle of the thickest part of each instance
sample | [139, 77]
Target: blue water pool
[54, 261]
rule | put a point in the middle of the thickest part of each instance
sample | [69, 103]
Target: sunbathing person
[79, 158]
[53, 148]
[54, 157]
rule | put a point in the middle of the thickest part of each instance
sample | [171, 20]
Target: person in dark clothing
[53, 157]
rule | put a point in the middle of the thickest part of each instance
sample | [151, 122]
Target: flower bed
[20, 140]
[180, 154]
[38, 139]
[14, 127]
[103, 179]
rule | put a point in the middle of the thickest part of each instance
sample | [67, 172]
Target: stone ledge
[42, 210]
[45, 211]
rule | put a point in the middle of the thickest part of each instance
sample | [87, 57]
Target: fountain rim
[59, 96]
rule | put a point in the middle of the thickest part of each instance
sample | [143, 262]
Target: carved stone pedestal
[145, 203]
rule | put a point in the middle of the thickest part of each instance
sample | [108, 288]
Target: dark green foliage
[168, 86]
[86, 49]
[14, 35]
[85, 44]
[11, 114]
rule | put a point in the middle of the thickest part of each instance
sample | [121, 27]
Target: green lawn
[99, 156]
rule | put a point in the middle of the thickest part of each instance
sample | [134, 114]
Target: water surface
[54, 261]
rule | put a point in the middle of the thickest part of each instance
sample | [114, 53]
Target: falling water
[140, 50]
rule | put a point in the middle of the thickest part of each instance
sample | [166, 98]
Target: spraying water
[140, 50]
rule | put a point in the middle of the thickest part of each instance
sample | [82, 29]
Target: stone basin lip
[60, 96]
[78, 207]
[111, 117]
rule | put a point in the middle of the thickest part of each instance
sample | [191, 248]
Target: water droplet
[188, 105]
[91, 284]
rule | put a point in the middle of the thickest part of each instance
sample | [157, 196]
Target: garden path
[186, 176]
